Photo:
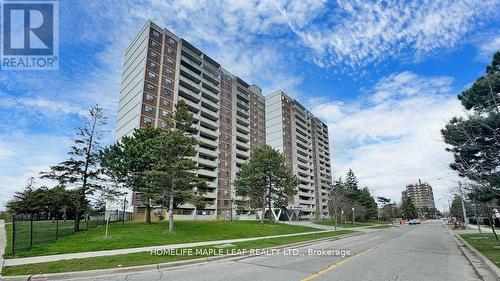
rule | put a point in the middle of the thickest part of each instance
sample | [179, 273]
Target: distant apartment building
[303, 139]
[421, 195]
[160, 69]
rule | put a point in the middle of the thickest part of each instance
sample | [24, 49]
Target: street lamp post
[352, 216]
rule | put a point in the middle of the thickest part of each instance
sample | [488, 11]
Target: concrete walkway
[472, 228]
[3, 243]
[40, 259]
[364, 229]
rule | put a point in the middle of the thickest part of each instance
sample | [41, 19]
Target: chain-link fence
[31, 229]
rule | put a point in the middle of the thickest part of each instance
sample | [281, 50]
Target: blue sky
[383, 75]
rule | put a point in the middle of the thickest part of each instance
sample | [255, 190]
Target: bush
[5, 216]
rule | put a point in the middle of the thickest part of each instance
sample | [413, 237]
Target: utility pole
[463, 205]
[477, 218]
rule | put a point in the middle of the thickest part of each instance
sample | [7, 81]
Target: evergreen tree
[366, 200]
[408, 209]
[265, 180]
[81, 170]
[474, 139]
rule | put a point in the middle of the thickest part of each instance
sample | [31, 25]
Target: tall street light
[352, 216]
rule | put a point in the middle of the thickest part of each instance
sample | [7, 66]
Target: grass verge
[486, 244]
[139, 234]
[144, 258]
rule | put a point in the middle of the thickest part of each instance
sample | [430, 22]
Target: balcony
[207, 140]
[191, 75]
[242, 113]
[209, 86]
[242, 129]
[193, 106]
[209, 105]
[206, 173]
[208, 132]
[207, 123]
[207, 152]
[208, 163]
[190, 85]
[210, 96]
[214, 79]
[191, 56]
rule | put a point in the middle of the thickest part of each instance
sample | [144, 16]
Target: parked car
[414, 221]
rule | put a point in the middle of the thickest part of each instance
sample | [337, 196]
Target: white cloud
[360, 33]
[395, 140]
[488, 47]
[26, 156]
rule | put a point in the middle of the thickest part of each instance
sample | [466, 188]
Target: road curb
[486, 269]
[151, 267]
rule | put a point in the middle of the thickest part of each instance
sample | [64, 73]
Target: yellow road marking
[335, 265]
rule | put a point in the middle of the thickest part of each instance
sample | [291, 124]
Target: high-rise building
[159, 70]
[421, 195]
[303, 139]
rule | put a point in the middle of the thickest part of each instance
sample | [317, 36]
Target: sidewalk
[40, 259]
[3, 243]
[364, 229]
[472, 228]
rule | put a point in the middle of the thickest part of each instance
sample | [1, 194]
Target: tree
[366, 200]
[20, 203]
[474, 139]
[456, 208]
[130, 162]
[81, 169]
[266, 180]
[408, 209]
[351, 182]
[176, 169]
[337, 200]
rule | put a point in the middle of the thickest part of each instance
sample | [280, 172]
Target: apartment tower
[303, 139]
[160, 69]
[421, 195]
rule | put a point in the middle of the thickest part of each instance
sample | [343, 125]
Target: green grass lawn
[139, 234]
[489, 247]
[144, 258]
[349, 224]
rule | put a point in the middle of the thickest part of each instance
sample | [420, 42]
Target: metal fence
[31, 229]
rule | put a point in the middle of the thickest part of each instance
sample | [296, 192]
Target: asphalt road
[420, 252]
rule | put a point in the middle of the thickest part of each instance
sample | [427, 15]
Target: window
[151, 75]
[168, 71]
[164, 113]
[148, 121]
[163, 124]
[168, 81]
[153, 54]
[153, 65]
[150, 86]
[168, 92]
[226, 192]
[166, 102]
[170, 61]
[171, 41]
[154, 44]
[148, 108]
[170, 50]
[155, 33]
[149, 97]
